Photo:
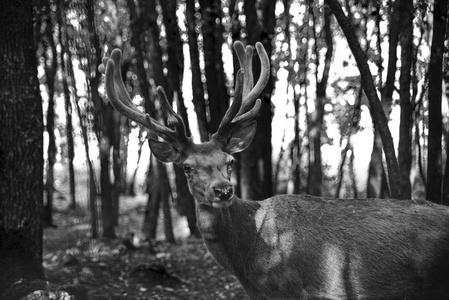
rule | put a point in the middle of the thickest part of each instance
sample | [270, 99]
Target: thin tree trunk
[377, 113]
[315, 169]
[67, 105]
[405, 127]
[434, 159]
[50, 72]
[116, 166]
[92, 185]
[92, 196]
[197, 84]
[375, 188]
[149, 226]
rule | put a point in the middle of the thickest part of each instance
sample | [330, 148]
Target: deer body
[303, 247]
[295, 246]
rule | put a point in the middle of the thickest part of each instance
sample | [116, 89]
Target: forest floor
[184, 270]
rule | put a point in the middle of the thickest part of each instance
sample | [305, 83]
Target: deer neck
[229, 233]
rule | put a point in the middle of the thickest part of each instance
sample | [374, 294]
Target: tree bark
[406, 119]
[212, 29]
[21, 148]
[435, 125]
[377, 113]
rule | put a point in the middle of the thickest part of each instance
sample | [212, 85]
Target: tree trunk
[434, 160]
[256, 167]
[184, 200]
[92, 199]
[405, 127]
[315, 177]
[103, 123]
[149, 226]
[60, 13]
[107, 206]
[21, 148]
[197, 83]
[91, 172]
[375, 188]
[212, 29]
[377, 113]
[69, 135]
[116, 165]
[50, 72]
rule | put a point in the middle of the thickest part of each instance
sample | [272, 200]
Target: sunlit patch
[332, 266]
[355, 269]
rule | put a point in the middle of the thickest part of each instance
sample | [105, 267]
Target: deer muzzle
[223, 193]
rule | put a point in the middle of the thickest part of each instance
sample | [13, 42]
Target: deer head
[208, 166]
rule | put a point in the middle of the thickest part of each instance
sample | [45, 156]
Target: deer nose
[224, 192]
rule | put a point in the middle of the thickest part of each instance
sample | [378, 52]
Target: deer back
[303, 247]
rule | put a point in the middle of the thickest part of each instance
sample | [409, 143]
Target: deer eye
[187, 169]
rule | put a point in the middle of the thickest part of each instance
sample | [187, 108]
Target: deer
[293, 246]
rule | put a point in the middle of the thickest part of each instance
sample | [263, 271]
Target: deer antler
[175, 133]
[246, 105]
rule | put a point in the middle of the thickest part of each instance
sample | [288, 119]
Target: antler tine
[232, 111]
[245, 107]
[251, 93]
[127, 110]
[121, 101]
[245, 57]
[174, 121]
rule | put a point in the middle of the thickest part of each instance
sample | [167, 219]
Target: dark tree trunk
[50, 72]
[149, 226]
[212, 29]
[405, 127]
[116, 165]
[107, 206]
[434, 160]
[184, 200]
[197, 83]
[256, 166]
[21, 148]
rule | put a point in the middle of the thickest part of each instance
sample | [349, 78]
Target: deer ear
[164, 151]
[241, 138]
